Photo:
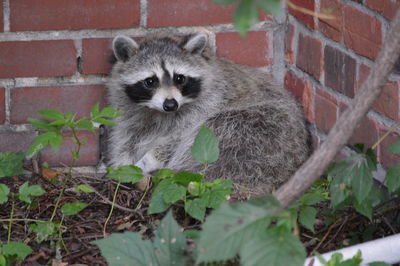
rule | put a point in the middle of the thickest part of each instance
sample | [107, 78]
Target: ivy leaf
[127, 249]
[246, 15]
[205, 148]
[11, 163]
[196, 208]
[73, 208]
[126, 174]
[26, 192]
[275, 246]
[51, 114]
[395, 148]
[393, 178]
[229, 228]
[18, 249]
[169, 243]
[307, 217]
[4, 191]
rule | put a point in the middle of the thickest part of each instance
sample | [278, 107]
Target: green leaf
[83, 188]
[103, 121]
[3, 261]
[224, 2]
[395, 148]
[109, 112]
[379, 263]
[361, 179]
[84, 123]
[41, 124]
[56, 142]
[11, 163]
[270, 6]
[4, 191]
[393, 178]
[43, 230]
[39, 143]
[307, 217]
[26, 192]
[230, 227]
[196, 208]
[311, 198]
[170, 191]
[127, 249]
[60, 122]
[218, 193]
[246, 15]
[205, 148]
[157, 204]
[73, 208]
[126, 174]
[184, 178]
[169, 243]
[196, 188]
[51, 114]
[275, 246]
[372, 161]
[18, 249]
[365, 208]
[95, 110]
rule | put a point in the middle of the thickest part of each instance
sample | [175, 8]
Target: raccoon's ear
[124, 47]
[196, 43]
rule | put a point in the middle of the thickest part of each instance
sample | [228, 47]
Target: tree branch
[312, 169]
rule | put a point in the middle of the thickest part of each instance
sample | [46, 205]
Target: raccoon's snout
[170, 105]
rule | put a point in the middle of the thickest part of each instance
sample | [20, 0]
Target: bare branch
[312, 169]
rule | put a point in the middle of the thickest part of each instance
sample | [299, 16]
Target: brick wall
[55, 55]
[328, 60]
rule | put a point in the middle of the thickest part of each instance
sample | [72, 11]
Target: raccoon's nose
[170, 105]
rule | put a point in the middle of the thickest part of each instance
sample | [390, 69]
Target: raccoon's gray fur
[167, 88]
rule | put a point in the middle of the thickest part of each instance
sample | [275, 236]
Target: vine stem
[20, 220]
[112, 208]
[382, 138]
[141, 199]
[11, 219]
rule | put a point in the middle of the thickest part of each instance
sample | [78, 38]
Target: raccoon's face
[160, 73]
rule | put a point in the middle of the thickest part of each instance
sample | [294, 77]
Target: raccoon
[167, 88]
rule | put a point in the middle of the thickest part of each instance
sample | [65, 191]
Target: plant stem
[11, 219]
[20, 220]
[382, 138]
[61, 240]
[112, 208]
[141, 199]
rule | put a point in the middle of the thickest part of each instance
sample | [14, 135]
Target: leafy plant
[11, 163]
[196, 194]
[337, 260]
[167, 248]
[12, 252]
[246, 14]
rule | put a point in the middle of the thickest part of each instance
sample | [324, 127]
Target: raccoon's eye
[179, 79]
[150, 82]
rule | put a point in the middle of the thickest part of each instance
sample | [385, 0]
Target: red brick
[39, 15]
[15, 141]
[37, 59]
[289, 50]
[163, 13]
[340, 71]
[306, 19]
[387, 158]
[2, 106]
[25, 102]
[96, 54]
[301, 90]
[387, 8]
[332, 28]
[309, 55]
[1, 17]
[388, 102]
[362, 32]
[89, 153]
[325, 110]
[253, 50]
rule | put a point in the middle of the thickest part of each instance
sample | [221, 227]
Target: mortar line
[143, 13]
[7, 105]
